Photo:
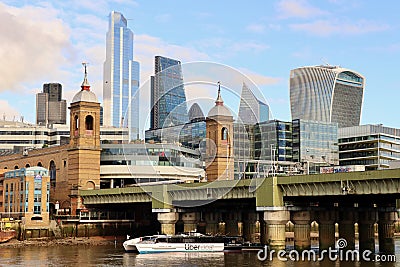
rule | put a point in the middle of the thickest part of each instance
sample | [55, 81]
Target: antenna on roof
[325, 61]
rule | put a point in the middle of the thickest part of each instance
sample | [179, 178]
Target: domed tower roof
[195, 113]
[219, 109]
[85, 94]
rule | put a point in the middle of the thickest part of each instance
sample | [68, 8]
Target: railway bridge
[262, 207]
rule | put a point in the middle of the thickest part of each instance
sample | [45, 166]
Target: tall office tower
[50, 108]
[327, 93]
[251, 109]
[121, 78]
[168, 99]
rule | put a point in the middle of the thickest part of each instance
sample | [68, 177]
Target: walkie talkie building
[327, 93]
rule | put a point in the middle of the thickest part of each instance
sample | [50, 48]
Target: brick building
[72, 166]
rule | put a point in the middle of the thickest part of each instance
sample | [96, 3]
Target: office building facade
[273, 141]
[50, 107]
[17, 136]
[168, 98]
[315, 142]
[121, 78]
[26, 193]
[190, 134]
[127, 164]
[327, 93]
[374, 146]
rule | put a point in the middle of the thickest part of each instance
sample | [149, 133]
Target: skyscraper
[121, 77]
[168, 99]
[50, 108]
[327, 93]
[251, 109]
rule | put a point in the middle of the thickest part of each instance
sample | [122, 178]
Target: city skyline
[266, 42]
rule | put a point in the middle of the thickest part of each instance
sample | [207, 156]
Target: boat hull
[179, 247]
[130, 247]
[7, 235]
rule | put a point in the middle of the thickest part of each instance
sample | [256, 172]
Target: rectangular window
[36, 209]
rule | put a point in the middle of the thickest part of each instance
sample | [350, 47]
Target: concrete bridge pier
[302, 227]
[189, 221]
[168, 220]
[276, 227]
[326, 227]
[386, 221]
[347, 219]
[366, 231]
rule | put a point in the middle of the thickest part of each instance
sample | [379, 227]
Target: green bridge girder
[269, 192]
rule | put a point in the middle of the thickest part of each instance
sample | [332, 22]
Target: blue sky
[46, 41]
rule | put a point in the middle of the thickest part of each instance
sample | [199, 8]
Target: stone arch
[27, 165]
[39, 164]
[66, 204]
[90, 185]
[16, 167]
[89, 123]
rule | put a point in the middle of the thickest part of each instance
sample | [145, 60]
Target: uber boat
[181, 243]
[130, 244]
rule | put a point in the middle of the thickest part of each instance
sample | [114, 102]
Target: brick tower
[219, 132]
[84, 150]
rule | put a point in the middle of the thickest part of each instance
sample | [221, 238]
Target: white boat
[130, 244]
[181, 243]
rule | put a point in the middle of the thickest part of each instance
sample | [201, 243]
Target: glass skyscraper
[327, 93]
[251, 109]
[168, 99]
[121, 78]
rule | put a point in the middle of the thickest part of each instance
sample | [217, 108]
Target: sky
[46, 41]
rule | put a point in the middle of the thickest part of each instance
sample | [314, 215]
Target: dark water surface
[115, 256]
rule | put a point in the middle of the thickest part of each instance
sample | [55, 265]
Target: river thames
[111, 255]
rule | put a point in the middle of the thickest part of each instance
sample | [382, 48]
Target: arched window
[224, 134]
[16, 167]
[76, 125]
[52, 173]
[39, 164]
[76, 122]
[89, 122]
[27, 165]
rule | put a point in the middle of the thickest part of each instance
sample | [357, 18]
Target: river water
[87, 256]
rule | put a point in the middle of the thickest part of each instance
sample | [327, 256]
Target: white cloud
[256, 28]
[7, 111]
[163, 18]
[147, 47]
[33, 47]
[224, 48]
[330, 27]
[260, 79]
[298, 9]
